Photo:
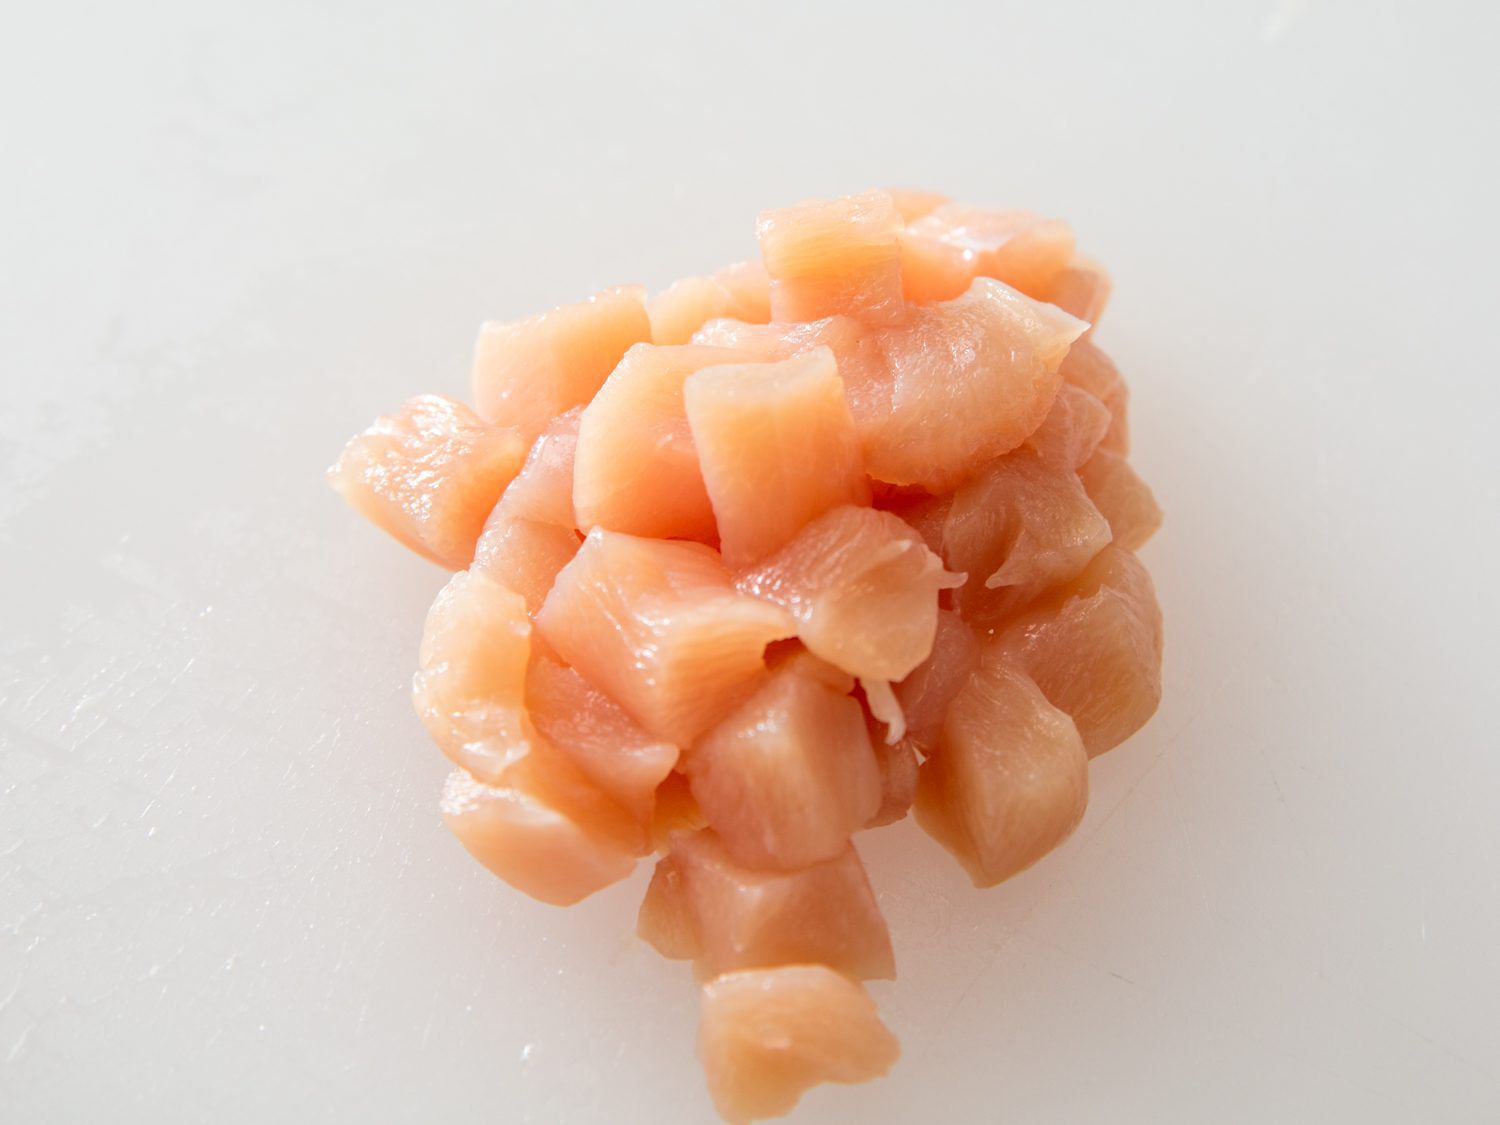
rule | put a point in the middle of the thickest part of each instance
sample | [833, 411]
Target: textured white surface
[234, 233]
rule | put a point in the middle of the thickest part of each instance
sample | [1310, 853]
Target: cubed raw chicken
[470, 685]
[527, 373]
[768, 1035]
[1094, 648]
[777, 446]
[942, 390]
[1008, 780]
[530, 535]
[1018, 529]
[661, 628]
[787, 777]
[638, 469]
[705, 906]
[793, 549]
[831, 256]
[1073, 429]
[612, 749]
[863, 589]
[429, 475]
[543, 828]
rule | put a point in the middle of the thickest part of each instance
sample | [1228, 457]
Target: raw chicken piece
[777, 447]
[971, 378]
[535, 819]
[1089, 369]
[831, 256]
[1074, 427]
[894, 759]
[543, 489]
[603, 741]
[637, 468]
[469, 690]
[527, 373]
[1123, 497]
[951, 386]
[703, 905]
[741, 291]
[863, 589]
[789, 775]
[659, 626]
[942, 252]
[429, 475]
[530, 535]
[1083, 289]
[1008, 780]
[924, 696]
[1017, 529]
[863, 367]
[543, 829]
[768, 1035]
[1094, 648]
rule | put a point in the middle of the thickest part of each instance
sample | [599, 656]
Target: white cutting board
[231, 237]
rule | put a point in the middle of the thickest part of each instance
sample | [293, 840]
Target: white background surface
[234, 233]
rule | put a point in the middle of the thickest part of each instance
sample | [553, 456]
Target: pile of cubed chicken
[776, 555]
